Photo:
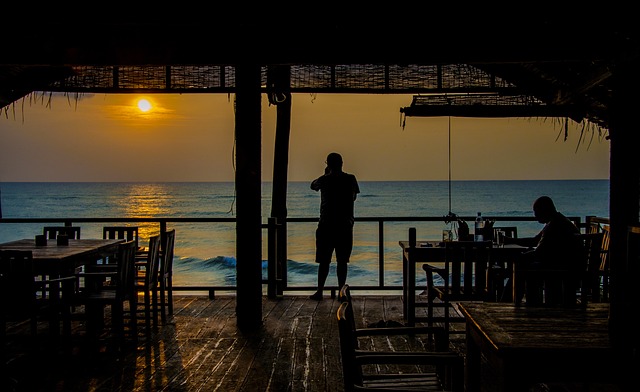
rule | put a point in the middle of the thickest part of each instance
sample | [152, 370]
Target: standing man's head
[544, 209]
[334, 161]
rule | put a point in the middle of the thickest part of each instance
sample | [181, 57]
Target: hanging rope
[450, 217]
[449, 142]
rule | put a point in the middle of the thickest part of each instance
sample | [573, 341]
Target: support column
[278, 82]
[248, 197]
[624, 198]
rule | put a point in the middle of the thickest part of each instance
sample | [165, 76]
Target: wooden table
[433, 252]
[530, 345]
[62, 260]
[56, 260]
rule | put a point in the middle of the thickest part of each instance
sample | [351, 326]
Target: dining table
[59, 260]
[433, 251]
[55, 260]
[514, 347]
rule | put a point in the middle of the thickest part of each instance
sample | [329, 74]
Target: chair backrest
[592, 247]
[127, 233]
[344, 295]
[466, 263]
[604, 248]
[152, 270]
[592, 227]
[351, 371]
[168, 244]
[509, 231]
[51, 232]
[125, 286]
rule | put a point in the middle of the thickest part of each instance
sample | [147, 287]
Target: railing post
[281, 256]
[272, 244]
[381, 253]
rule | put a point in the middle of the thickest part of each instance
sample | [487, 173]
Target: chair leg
[133, 322]
[170, 295]
[117, 319]
[154, 306]
[163, 303]
[147, 312]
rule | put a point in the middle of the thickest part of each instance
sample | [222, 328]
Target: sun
[144, 105]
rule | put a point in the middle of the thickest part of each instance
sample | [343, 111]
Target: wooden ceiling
[560, 63]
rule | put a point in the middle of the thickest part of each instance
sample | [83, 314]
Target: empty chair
[147, 282]
[499, 271]
[420, 370]
[116, 291]
[23, 297]
[51, 232]
[441, 338]
[509, 231]
[127, 233]
[463, 278]
[166, 273]
[599, 267]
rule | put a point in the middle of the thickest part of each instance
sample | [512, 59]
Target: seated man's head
[544, 209]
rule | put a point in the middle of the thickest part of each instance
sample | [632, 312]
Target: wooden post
[279, 80]
[623, 203]
[248, 195]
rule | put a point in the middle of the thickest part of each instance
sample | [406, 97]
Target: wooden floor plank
[201, 349]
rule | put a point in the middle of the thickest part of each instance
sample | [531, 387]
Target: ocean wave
[222, 262]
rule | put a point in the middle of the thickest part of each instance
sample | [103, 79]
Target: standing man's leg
[344, 247]
[341, 270]
[324, 251]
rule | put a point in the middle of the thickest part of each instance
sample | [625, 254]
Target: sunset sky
[190, 138]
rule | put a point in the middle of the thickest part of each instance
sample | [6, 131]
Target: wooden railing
[276, 281]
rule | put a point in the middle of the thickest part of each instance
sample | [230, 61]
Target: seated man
[556, 246]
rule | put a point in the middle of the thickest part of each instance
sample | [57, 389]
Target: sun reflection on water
[147, 201]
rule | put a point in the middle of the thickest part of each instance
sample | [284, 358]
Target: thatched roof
[465, 63]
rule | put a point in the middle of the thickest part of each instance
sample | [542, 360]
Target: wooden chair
[600, 285]
[166, 273]
[115, 292]
[509, 231]
[127, 233]
[499, 271]
[463, 278]
[147, 282]
[23, 297]
[441, 338]
[564, 286]
[418, 370]
[51, 232]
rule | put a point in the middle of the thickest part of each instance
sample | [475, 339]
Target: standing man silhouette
[338, 191]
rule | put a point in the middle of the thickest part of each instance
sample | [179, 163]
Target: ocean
[205, 252]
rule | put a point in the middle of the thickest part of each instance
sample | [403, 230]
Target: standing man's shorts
[330, 238]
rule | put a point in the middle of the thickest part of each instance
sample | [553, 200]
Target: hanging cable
[451, 218]
[449, 142]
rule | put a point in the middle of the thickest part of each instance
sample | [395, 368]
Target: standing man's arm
[356, 188]
[317, 183]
